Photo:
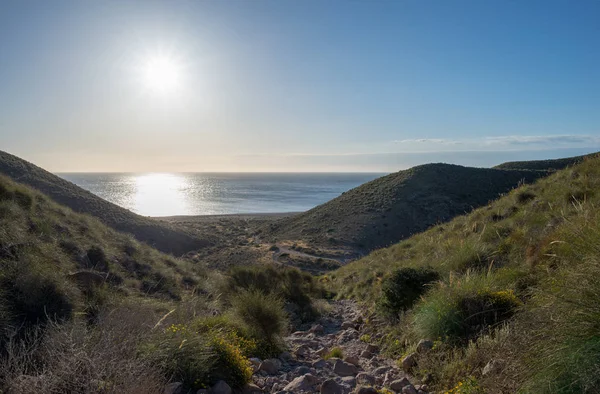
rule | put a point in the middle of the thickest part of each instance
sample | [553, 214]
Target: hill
[507, 295]
[544, 165]
[86, 309]
[393, 207]
[158, 234]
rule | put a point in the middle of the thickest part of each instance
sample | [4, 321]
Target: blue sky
[298, 85]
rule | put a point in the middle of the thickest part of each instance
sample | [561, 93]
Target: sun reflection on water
[160, 194]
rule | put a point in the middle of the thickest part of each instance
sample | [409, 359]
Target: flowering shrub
[467, 386]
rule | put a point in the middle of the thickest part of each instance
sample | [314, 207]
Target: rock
[173, 388]
[422, 387]
[220, 388]
[365, 378]
[333, 360]
[255, 363]
[302, 370]
[202, 391]
[322, 351]
[286, 356]
[303, 383]
[343, 368]
[349, 381]
[302, 351]
[347, 324]
[381, 370]
[366, 354]
[365, 390]
[398, 385]
[492, 367]
[317, 329]
[330, 386]
[372, 348]
[351, 360]
[409, 362]
[270, 366]
[424, 346]
[319, 364]
[358, 321]
[410, 389]
[251, 389]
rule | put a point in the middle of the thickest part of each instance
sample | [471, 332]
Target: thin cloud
[510, 141]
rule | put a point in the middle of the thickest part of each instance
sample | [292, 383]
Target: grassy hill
[84, 308]
[393, 207]
[509, 294]
[158, 234]
[544, 165]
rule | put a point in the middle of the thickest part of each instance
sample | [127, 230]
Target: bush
[404, 287]
[460, 315]
[336, 352]
[264, 319]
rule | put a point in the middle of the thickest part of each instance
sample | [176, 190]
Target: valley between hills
[439, 278]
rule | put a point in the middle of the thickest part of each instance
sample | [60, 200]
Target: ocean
[170, 194]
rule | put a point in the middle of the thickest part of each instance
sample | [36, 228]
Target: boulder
[366, 354]
[173, 388]
[220, 388]
[303, 383]
[270, 366]
[255, 363]
[347, 324]
[319, 364]
[424, 346]
[351, 359]
[365, 379]
[330, 386]
[381, 370]
[322, 351]
[398, 385]
[349, 381]
[409, 362]
[302, 370]
[286, 356]
[302, 351]
[343, 368]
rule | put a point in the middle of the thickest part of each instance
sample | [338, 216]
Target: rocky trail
[309, 368]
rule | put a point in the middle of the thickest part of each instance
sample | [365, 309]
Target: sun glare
[161, 74]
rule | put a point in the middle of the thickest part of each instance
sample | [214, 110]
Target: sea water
[169, 194]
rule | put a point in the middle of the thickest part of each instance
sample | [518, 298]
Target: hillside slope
[509, 294]
[152, 232]
[398, 205]
[544, 165]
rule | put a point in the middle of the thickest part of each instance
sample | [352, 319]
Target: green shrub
[336, 352]
[263, 317]
[459, 315]
[404, 287]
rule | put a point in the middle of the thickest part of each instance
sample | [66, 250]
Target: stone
[317, 329]
[302, 370]
[365, 390]
[343, 368]
[351, 359]
[409, 362]
[220, 388]
[252, 389]
[322, 351]
[492, 367]
[347, 324]
[286, 356]
[319, 364]
[381, 370]
[330, 386]
[365, 378]
[366, 354]
[173, 388]
[410, 389]
[424, 346]
[270, 366]
[349, 381]
[255, 363]
[202, 391]
[303, 383]
[398, 385]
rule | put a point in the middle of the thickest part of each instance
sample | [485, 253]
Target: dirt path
[306, 368]
[284, 249]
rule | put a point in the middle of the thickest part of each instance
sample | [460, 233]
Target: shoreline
[244, 216]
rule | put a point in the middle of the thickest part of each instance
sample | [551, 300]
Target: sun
[161, 74]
